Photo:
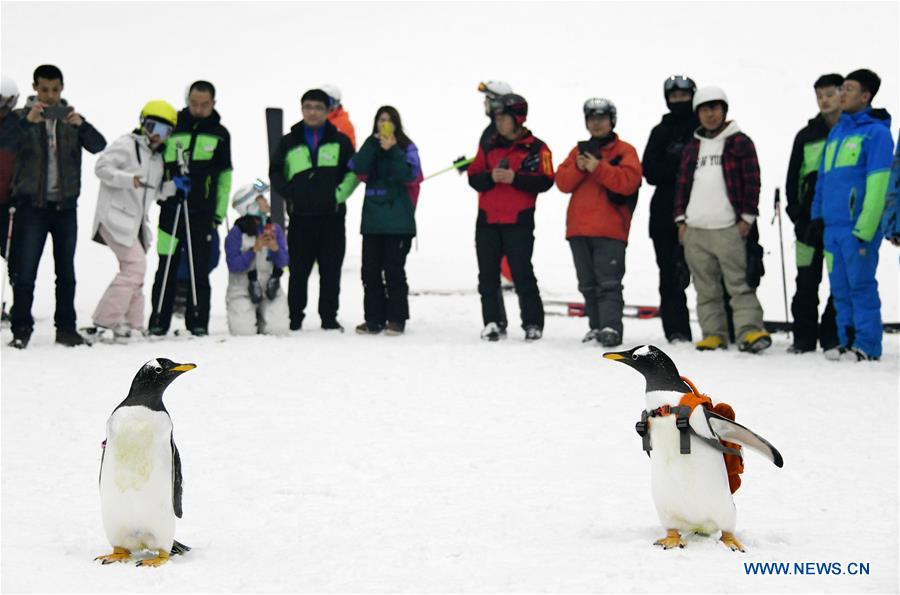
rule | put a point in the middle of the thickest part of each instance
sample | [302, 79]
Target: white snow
[434, 461]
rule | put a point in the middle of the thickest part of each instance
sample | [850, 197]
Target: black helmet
[678, 81]
[598, 106]
[512, 104]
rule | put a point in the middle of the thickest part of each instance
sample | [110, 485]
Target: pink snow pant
[124, 298]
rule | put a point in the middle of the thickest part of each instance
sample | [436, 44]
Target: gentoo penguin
[691, 491]
[140, 472]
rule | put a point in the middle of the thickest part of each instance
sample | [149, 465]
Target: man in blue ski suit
[847, 207]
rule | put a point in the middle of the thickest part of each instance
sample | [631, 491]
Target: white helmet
[333, 92]
[9, 93]
[244, 199]
[495, 88]
[707, 94]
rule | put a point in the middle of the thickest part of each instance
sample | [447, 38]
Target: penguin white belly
[690, 491]
[136, 480]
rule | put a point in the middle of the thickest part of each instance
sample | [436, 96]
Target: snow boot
[69, 338]
[272, 287]
[366, 329]
[21, 337]
[256, 291]
[610, 337]
[395, 329]
[591, 335]
[755, 341]
[855, 354]
[711, 343]
[493, 332]
[533, 333]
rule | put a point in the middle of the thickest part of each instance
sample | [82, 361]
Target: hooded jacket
[853, 175]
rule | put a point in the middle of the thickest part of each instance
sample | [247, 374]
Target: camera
[56, 112]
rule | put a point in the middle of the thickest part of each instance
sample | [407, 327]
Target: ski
[779, 326]
[576, 309]
[274, 132]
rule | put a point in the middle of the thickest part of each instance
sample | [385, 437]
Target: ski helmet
[512, 104]
[598, 106]
[161, 111]
[244, 199]
[334, 95]
[678, 82]
[9, 93]
[708, 95]
[494, 89]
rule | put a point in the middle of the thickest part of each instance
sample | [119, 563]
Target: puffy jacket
[30, 177]
[602, 201]
[890, 221]
[239, 254]
[314, 184]
[123, 209]
[207, 150]
[853, 176]
[341, 120]
[10, 134]
[392, 181]
[662, 158]
[532, 163]
[803, 168]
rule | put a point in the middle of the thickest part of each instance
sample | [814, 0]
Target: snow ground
[435, 462]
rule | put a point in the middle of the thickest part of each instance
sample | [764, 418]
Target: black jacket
[309, 183]
[803, 169]
[662, 158]
[207, 150]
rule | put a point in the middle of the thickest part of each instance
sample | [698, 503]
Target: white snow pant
[246, 318]
[124, 298]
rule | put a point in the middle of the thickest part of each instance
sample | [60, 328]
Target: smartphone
[56, 112]
[385, 129]
[504, 163]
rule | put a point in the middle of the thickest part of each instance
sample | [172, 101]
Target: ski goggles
[156, 128]
[680, 82]
[8, 102]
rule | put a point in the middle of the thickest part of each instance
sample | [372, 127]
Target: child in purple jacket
[256, 253]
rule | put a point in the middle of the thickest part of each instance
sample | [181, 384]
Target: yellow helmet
[161, 110]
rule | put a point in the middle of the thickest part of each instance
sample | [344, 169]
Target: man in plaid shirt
[716, 203]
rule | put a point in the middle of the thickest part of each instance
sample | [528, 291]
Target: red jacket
[341, 120]
[532, 162]
[602, 201]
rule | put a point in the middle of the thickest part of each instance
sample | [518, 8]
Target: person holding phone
[388, 163]
[256, 253]
[46, 185]
[131, 179]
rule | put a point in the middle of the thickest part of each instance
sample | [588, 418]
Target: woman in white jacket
[131, 180]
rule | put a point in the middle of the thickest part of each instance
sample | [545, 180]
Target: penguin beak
[181, 368]
[620, 356]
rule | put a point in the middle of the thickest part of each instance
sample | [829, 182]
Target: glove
[815, 230]
[461, 168]
[183, 183]
[682, 272]
[755, 268]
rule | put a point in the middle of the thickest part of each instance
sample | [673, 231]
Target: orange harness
[734, 462]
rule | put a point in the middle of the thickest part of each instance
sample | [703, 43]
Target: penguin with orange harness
[694, 448]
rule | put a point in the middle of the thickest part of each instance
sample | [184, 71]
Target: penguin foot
[161, 558]
[119, 554]
[671, 540]
[731, 541]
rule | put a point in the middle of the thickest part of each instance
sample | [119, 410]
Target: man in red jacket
[9, 141]
[509, 171]
[603, 174]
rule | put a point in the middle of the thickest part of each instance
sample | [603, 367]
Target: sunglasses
[160, 129]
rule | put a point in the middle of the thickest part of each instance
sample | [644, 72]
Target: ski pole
[162, 291]
[183, 167]
[456, 165]
[9, 229]
[777, 215]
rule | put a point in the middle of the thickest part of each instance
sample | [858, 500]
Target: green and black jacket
[207, 151]
[803, 170]
[314, 184]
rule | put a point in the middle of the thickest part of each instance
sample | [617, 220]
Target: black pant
[201, 245]
[516, 242]
[312, 240]
[29, 237]
[600, 267]
[384, 278]
[805, 305]
[672, 300]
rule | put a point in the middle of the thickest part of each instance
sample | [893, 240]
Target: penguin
[140, 470]
[691, 491]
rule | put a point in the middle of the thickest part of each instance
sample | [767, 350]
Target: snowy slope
[435, 462]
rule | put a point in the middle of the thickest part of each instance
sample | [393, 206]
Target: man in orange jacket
[337, 115]
[603, 174]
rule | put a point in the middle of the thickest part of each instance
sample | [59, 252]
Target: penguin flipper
[726, 429]
[176, 480]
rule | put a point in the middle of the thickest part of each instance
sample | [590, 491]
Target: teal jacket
[853, 175]
[392, 181]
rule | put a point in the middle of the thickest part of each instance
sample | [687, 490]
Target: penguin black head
[657, 368]
[151, 381]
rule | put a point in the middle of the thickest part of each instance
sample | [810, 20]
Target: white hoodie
[708, 206]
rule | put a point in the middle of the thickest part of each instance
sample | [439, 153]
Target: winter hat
[828, 80]
[315, 95]
[868, 80]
